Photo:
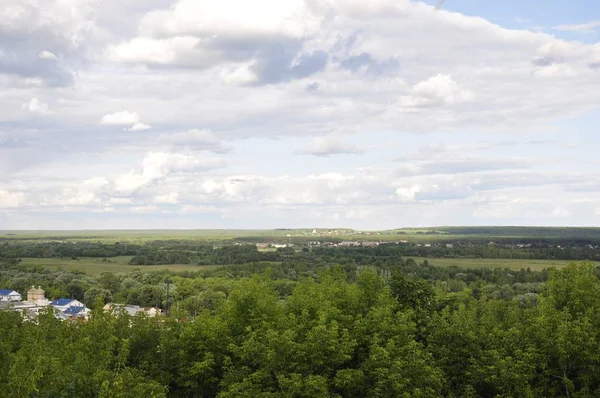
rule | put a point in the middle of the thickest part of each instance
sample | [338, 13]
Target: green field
[534, 265]
[415, 235]
[95, 266]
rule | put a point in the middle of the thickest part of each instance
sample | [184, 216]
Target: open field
[95, 266]
[433, 234]
[535, 265]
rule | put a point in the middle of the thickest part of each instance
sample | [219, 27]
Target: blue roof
[6, 292]
[61, 301]
[73, 310]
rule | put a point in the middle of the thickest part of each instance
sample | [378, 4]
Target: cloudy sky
[298, 113]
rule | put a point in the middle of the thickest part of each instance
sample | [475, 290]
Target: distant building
[449, 245]
[132, 310]
[63, 304]
[10, 295]
[76, 312]
[37, 296]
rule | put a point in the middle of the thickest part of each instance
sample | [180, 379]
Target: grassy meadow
[516, 264]
[95, 266]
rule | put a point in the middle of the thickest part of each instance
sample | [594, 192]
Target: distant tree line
[203, 253]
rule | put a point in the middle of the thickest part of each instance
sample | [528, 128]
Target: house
[132, 310]
[62, 304]
[77, 312]
[9, 295]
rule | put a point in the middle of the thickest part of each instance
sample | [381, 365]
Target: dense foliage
[291, 330]
[201, 253]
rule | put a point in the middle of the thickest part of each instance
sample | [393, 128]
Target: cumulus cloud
[330, 145]
[36, 106]
[265, 45]
[437, 90]
[10, 199]
[120, 118]
[254, 79]
[125, 118]
[48, 55]
[139, 127]
[28, 29]
[157, 165]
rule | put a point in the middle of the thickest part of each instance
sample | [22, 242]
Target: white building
[63, 304]
[9, 295]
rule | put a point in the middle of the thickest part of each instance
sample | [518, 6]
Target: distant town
[63, 308]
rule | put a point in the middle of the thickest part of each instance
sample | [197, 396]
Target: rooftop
[62, 301]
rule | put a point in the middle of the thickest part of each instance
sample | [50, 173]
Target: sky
[158, 114]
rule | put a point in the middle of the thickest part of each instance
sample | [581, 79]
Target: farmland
[515, 264]
[96, 266]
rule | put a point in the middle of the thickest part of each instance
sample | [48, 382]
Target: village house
[9, 295]
[63, 304]
[132, 310]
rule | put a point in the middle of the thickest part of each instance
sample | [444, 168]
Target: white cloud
[10, 199]
[122, 118]
[48, 55]
[36, 106]
[139, 127]
[437, 90]
[408, 193]
[73, 197]
[170, 198]
[330, 145]
[254, 79]
[157, 165]
[588, 27]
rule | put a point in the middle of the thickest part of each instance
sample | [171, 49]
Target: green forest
[331, 322]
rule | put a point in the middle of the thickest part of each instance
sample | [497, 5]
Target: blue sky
[326, 113]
